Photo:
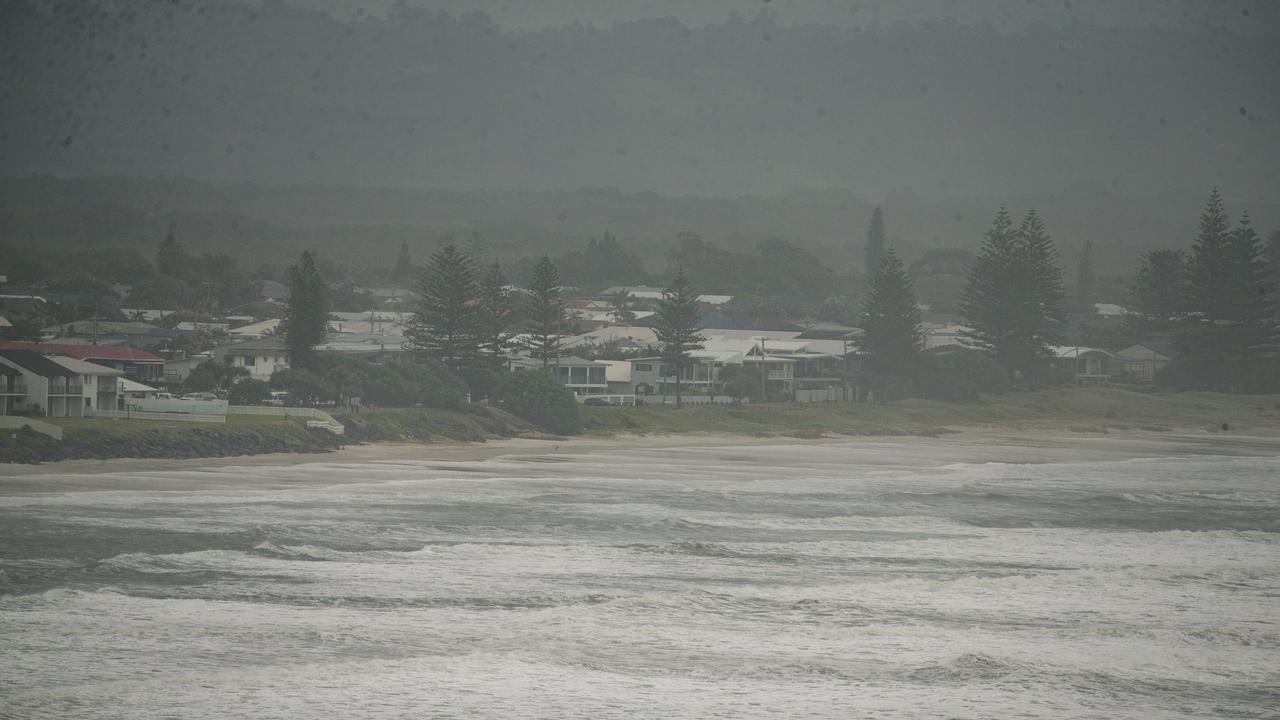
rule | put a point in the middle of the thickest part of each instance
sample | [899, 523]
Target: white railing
[13, 422]
[316, 418]
[610, 399]
[179, 405]
[144, 415]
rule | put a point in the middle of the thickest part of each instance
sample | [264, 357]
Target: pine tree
[622, 307]
[445, 322]
[1208, 277]
[306, 320]
[1158, 292]
[1248, 307]
[677, 327]
[1041, 299]
[545, 314]
[1086, 283]
[170, 260]
[988, 300]
[875, 242]
[1272, 254]
[891, 332]
[404, 265]
[497, 316]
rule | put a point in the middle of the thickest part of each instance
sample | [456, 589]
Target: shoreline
[580, 445]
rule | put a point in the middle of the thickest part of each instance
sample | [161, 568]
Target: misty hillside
[363, 227]
[274, 93]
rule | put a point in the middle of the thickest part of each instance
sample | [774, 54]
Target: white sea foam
[901, 579]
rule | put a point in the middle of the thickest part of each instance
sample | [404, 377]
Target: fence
[144, 415]
[178, 405]
[12, 422]
[688, 399]
[829, 394]
[318, 418]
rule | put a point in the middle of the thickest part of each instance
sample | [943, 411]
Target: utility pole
[764, 390]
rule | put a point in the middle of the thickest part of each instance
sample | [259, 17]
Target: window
[644, 367]
[250, 360]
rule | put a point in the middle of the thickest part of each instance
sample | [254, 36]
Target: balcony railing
[15, 389]
[66, 389]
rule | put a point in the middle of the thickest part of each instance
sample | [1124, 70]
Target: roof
[255, 329]
[271, 342]
[88, 352]
[828, 330]
[81, 367]
[1071, 351]
[127, 385]
[32, 361]
[100, 327]
[1141, 350]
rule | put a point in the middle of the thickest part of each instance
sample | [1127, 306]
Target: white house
[583, 377]
[99, 384]
[45, 385]
[260, 357]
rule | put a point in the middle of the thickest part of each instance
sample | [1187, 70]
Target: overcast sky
[868, 95]
[1245, 15]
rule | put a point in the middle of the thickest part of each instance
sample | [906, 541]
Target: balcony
[15, 389]
[66, 390]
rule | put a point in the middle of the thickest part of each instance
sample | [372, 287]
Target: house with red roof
[137, 365]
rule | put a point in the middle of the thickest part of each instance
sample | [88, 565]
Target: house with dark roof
[1144, 360]
[12, 389]
[50, 389]
[261, 357]
[138, 365]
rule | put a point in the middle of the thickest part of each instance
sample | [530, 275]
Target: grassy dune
[1074, 410]
[1066, 410]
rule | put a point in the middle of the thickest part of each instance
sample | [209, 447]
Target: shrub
[537, 396]
[212, 375]
[959, 375]
[401, 382]
[304, 387]
[249, 392]
[1232, 375]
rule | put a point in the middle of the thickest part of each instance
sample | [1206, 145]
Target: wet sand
[470, 451]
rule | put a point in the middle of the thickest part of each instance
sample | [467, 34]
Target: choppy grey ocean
[1077, 578]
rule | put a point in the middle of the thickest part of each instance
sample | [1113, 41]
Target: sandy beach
[467, 451]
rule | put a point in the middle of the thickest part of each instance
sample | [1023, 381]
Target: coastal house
[583, 377]
[48, 388]
[138, 365]
[99, 384]
[177, 370]
[1144, 360]
[13, 391]
[1090, 366]
[260, 357]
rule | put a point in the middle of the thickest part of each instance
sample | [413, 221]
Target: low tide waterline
[950, 577]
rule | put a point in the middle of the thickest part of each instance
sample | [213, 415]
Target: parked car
[278, 398]
[595, 401]
[200, 396]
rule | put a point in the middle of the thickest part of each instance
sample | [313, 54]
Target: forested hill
[363, 227]
[277, 94]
